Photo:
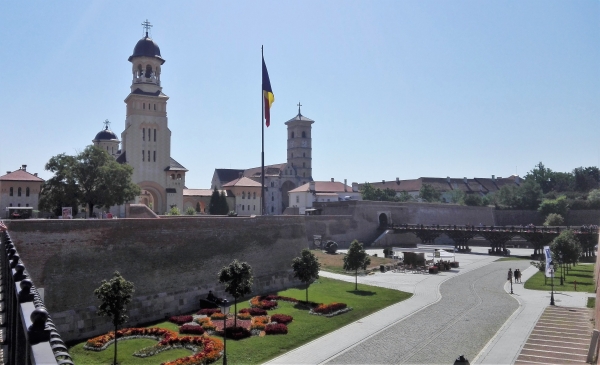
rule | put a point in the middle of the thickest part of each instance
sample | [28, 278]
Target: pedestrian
[510, 275]
[517, 276]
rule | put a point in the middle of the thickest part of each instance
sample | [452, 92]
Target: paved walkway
[382, 336]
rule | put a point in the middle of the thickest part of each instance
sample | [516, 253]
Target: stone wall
[172, 262]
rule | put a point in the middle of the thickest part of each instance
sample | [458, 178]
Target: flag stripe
[268, 95]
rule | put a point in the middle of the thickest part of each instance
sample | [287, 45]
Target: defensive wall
[172, 262]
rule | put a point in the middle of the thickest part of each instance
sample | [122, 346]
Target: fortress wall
[172, 262]
[524, 217]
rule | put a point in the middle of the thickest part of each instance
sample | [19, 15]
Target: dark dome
[105, 135]
[146, 47]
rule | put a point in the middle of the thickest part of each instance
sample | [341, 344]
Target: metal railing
[28, 333]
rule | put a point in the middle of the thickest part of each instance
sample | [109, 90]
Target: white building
[304, 196]
[19, 188]
[146, 139]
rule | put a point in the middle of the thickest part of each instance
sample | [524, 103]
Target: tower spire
[147, 26]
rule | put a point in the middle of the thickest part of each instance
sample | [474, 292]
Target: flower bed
[281, 318]
[263, 303]
[217, 316]
[191, 329]
[208, 311]
[244, 316]
[254, 311]
[330, 310]
[102, 342]
[237, 333]
[276, 329]
[179, 320]
[205, 323]
[259, 323]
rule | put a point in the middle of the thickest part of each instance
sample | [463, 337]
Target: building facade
[304, 196]
[19, 188]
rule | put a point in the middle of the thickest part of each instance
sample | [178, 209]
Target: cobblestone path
[472, 309]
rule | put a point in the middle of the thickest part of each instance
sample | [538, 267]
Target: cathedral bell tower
[299, 147]
[146, 140]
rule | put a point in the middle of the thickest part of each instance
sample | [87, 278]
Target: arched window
[144, 133]
[148, 155]
[254, 195]
[19, 192]
[178, 176]
[254, 207]
[303, 164]
[27, 191]
[243, 206]
[248, 206]
[272, 198]
[148, 74]
[139, 71]
[303, 134]
[11, 192]
[172, 176]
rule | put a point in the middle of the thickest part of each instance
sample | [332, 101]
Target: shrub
[254, 311]
[174, 211]
[237, 333]
[331, 247]
[190, 211]
[276, 329]
[179, 320]
[281, 318]
[208, 311]
[554, 219]
[191, 329]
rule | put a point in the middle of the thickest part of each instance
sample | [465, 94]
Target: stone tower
[299, 146]
[146, 140]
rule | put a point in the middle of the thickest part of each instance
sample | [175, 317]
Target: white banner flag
[548, 255]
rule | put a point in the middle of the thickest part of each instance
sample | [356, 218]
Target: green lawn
[514, 258]
[591, 303]
[255, 350]
[583, 274]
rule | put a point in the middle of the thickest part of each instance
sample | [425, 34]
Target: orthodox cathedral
[146, 146]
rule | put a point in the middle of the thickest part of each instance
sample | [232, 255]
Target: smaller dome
[146, 47]
[105, 135]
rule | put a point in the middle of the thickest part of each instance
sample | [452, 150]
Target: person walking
[517, 276]
[510, 275]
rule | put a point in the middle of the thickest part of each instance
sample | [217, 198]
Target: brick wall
[172, 262]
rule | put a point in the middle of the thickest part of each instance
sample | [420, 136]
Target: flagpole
[262, 154]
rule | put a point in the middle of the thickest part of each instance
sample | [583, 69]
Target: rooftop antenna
[147, 26]
[106, 124]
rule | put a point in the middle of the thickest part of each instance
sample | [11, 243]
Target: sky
[397, 88]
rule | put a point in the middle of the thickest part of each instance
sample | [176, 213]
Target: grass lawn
[591, 303]
[582, 273]
[335, 263]
[255, 350]
[514, 258]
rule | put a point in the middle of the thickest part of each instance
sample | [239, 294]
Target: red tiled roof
[20, 175]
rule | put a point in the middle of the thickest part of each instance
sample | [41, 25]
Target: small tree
[355, 259]
[223, 206]
[198, 207]
[115, 295]
[558, 206]
[190, 211]
[237, 278]
[554, 219]
[428, 193]
[566, 249]
[306, 268]
[174, 211]
[213, 206]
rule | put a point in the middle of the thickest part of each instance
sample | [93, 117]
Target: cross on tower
[147, 26]
[299, 105]
[106, 123]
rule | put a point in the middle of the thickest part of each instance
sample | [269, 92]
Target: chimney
[397, 181]
[35, 174]
[448, 179]
[24, 167]
[465, 180]
[355, 187]
[8, 172]
[383, 182]
[239, 175]
[493, 177]
[311, 186]
[332, 180]
[517, 180]
[345, 185]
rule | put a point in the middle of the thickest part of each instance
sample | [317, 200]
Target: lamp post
[551, 267]
[511, 279]
[225, 310]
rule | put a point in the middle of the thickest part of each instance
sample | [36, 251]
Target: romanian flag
[268, 96]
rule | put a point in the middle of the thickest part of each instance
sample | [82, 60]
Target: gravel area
[472, 309]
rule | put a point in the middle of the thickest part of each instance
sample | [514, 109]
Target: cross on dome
[299, 105]
[147, 26]
[106, 123]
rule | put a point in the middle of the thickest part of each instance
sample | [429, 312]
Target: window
[304, 174]
[292, 155]
[178, 176]
[303, 154]
[10, 205]
[143, 134]
[18, 205]
[297, 198]
[148, 155]
[272, 209]
[254, 195]
[292, 134]
[143, 155]
[248, 206]
[243, 207]
[172, 176]
[303, 164]
[272, 184]
[154, 134]
[243, 195]
[272, 198]
[11, 192]
[27, 191]
[154, 156]
[254, 207]
[19, 192]
[27, 204]
[144, 105]
[303, 134]
[154, 106]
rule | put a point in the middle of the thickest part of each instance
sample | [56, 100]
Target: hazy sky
[396, 88]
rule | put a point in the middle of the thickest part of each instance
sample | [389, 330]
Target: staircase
[561, 336]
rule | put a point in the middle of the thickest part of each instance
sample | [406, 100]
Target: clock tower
[299, 147]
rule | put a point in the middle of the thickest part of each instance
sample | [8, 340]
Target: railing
[28, 333]
[484, 228]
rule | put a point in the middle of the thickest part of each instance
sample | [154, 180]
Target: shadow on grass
[362, 293]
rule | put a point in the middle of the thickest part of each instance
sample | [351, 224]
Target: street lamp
[225, 310]
[511, 279]
[551, 267]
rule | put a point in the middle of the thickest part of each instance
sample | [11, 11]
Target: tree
[457, 196]
[473, 200]
[213, 206]
[190, 211]
[565, 249]
[237, 278]
[554, 219]
[368, 192]
[586, 178]
[541, 175]
[223, 206]
[429, 194]
[198, 207]
[91, 178]
[355, 259]
[115, 295]
[529, 195]
[306, 268]
[507, 196]
[594, 198]
[174, 211]
[404, 196]
[559, 206]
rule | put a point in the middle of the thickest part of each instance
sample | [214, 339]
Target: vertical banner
[548, 255]
[67, 213]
